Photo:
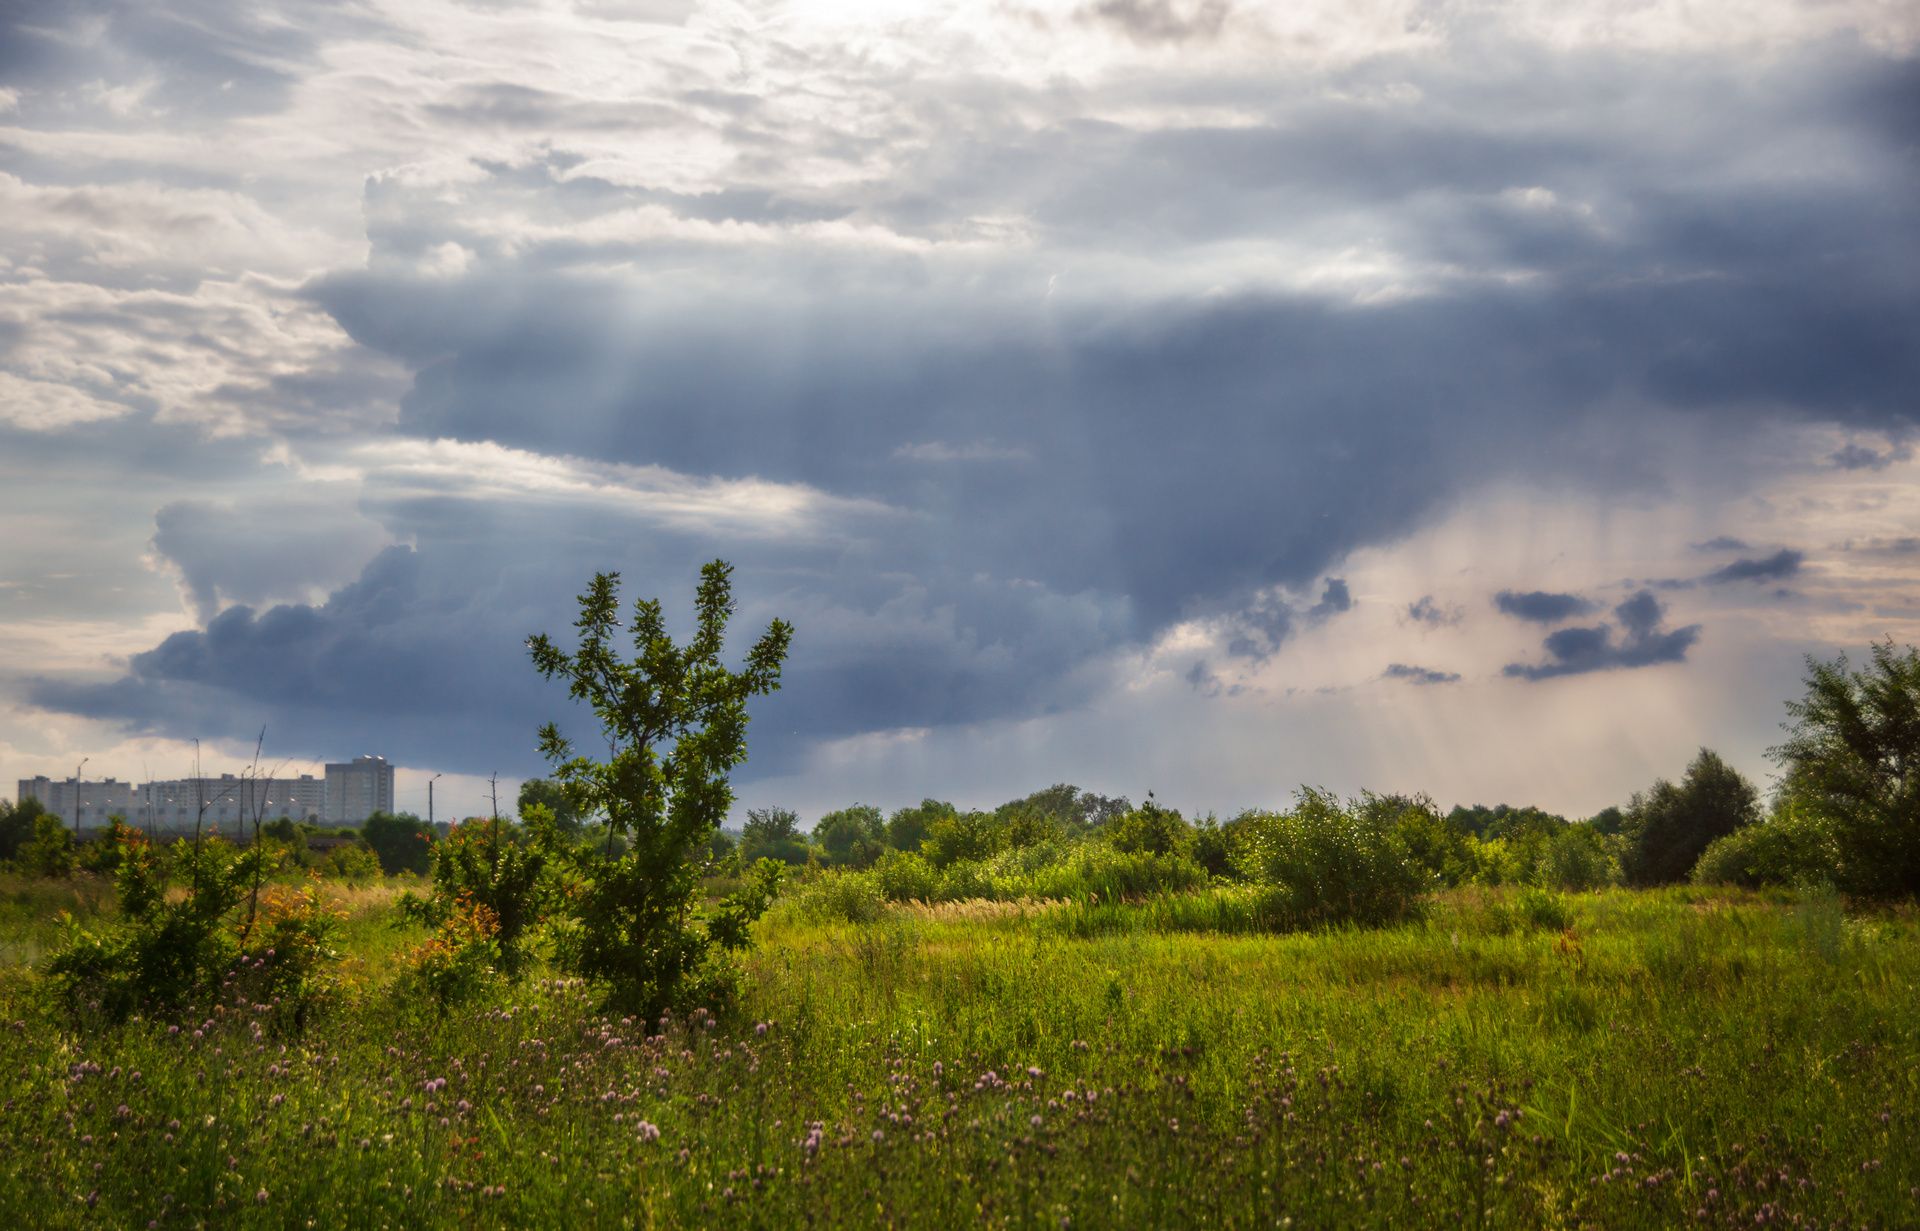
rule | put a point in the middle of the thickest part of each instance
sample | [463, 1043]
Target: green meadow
[1504, 1058]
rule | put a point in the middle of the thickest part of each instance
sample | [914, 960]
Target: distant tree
[402, 843]
[1150, 829]
[720, 845]
[1609, 820]
[547, 792]
[962, 836]
[772, 833]
[907, 827]
[851, 837]
[1668, 826]
[285, 829]
[1852, 757]
[16, 825]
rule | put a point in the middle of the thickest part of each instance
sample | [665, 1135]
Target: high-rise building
[357, 789]
[86, 805]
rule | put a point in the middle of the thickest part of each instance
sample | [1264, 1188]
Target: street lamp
[430, 783]
[76, 794]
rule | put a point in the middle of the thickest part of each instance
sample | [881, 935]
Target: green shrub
[169, 952]
[1149, 828]
[1796, 848]
[961, 837]
[838, 897]
[905, 877]
[964, 881]
[1577, 858]
[1542, 909]
[49, 852]
[1336, 864]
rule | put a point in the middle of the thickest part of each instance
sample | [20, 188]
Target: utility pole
[430, 783]
[76, 794]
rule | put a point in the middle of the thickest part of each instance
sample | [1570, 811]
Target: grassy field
[1615, 1059]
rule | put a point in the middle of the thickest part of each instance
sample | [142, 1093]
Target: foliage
[730, 923]
[351, 862]
[1214, 847]
[462, 959]
[49, 852]
[904, 876]
[16, 825]
[402, 843]
[1577, 857]
[908, 827]
[1852, 754]
[1442, 846]
[851, 837]
[962, 837]
[1150, 829]
[554, 798]
[102, 855]
[1795, 847]
[497, 870]
[1667, 826]
[772, 833]
[634, 933]
[1336, 864]
[170, 952]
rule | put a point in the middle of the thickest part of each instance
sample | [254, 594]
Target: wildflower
[260, 1198]
[760, 1029]
[649, 1131]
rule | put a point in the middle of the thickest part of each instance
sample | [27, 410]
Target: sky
[1496, 400]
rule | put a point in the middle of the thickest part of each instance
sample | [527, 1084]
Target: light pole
[76, 794]
[430, 783]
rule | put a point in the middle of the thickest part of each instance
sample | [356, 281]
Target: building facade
[357, 789]
[348, 794]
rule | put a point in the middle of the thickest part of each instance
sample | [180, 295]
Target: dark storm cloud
[1419, 675]
[1188, 449]
[1783, 563]
[1724, 542]
[1542, 606]
[1855, 456]
[1577, 651]
[1333, 600]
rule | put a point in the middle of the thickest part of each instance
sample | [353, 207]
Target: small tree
[852, 837]
[1852, 757]
[552, 796]
[1668, 826]
[402, 843]
[772, 833]
[635, 930]
[50, 852]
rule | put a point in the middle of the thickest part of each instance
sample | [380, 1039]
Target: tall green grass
[1615, 1059]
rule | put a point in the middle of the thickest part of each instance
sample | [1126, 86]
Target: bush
[1336, 864]
[905, 877]
[49, 852]
[961, 837]
[170, 952]
[1577, 858]
[852, 837]
[1667, 827]
[354, 864]
[1150, 829]
[839, 897]
[1796, 848]
[402, 843]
